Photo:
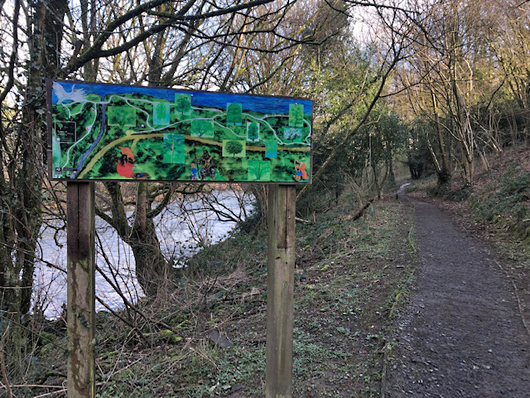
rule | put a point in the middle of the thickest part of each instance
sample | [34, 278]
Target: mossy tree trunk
[23, 159]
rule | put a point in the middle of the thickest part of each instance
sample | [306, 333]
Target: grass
[351, 279]
[349, 291]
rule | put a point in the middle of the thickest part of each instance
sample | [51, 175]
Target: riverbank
[206, 336]
[183, 228]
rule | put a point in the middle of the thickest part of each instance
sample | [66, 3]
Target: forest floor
[463, 333]
[416, 298]
[206, 337]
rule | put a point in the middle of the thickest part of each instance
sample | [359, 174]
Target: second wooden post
[281, 257]
[81, 289]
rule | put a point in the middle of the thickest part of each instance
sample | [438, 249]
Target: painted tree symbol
[202, 127]
[233, 114]
[253, 132]
[296, 118]
[233, 147]
[183, 104]
[160, 110]
[259, 169]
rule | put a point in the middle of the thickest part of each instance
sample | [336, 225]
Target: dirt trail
[463, 335]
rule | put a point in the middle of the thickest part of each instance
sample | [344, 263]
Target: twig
[3, 364]
[127, 322]
[33, 386]
[47, 263]
[49, 394]
[302, 220]
[60, 390]
[112, 373]
[114, 284]
[127, 303]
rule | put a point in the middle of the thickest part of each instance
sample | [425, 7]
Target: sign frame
[293, 160]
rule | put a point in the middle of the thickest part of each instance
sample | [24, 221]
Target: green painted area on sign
[121, 116]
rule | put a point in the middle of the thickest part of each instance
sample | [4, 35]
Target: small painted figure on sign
[301, 173]
[193, 171]
[141, 176]
[207, 166]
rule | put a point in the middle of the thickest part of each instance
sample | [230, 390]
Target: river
[183, 228]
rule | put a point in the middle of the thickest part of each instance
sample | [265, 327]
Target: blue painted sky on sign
[255, 103]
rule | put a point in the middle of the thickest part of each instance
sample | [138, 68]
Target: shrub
[507, 203]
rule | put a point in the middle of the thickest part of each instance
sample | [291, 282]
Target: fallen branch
[34, 386]
[49, 394]
[360, 213]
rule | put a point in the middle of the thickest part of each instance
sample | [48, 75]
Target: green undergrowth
[505, 202]
[351, 279]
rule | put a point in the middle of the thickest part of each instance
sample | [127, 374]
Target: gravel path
[463, 335]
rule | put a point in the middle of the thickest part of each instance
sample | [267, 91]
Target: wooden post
[81, 289]
[281, 222]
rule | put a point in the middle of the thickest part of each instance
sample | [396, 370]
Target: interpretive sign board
[109, 132]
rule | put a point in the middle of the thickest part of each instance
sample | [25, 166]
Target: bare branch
[14, 53]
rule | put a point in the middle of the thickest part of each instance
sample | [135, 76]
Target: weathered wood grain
[81, 289]
[281, 257]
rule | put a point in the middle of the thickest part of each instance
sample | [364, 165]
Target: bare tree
[452, 80]
[195, 43]
[35, 35]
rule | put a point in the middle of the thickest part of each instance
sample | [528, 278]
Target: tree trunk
[151, 265]
[468, 167]
[21, 182]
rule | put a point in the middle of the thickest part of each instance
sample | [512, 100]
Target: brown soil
[463, 335]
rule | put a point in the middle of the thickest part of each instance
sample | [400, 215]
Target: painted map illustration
[101, 131]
